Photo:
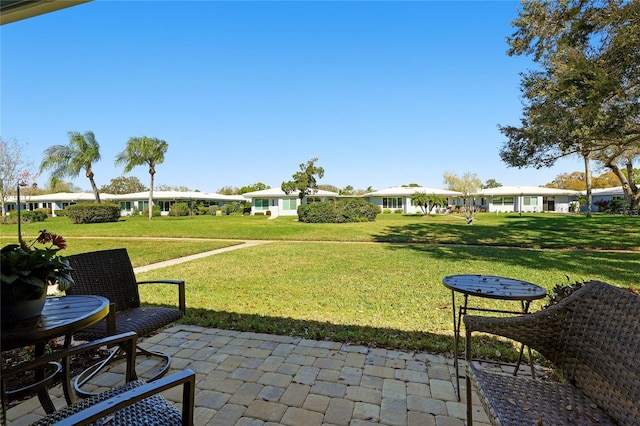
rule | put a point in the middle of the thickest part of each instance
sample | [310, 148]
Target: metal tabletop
[60, 316]
[493, 287]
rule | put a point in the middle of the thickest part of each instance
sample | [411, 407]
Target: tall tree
[584, 99]
[123, 185]
[258, 186]
[491, 183]
[13, 169]
[305, 180]
[140, 151]
[69, 160]
[468, 184]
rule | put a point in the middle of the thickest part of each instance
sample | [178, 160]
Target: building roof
[179, 195]
[279, 193]
[524, 190]
[405, 191]
[617, 190]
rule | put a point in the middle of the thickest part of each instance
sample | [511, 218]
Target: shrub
[386, 211]
[39, 215]
[398, 211]
[342, 211]
[202, 211]
[155, 213]
[213, 210]
[179, 209]
[93, 213]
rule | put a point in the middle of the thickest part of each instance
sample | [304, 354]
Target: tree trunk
[151, 198]
[587, 178]
[96, 194]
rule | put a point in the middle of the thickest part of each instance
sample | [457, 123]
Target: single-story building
[165, 199]
[129, 203]
[398, 198]
[52, 202]
[601, 195]
[526, 199]
[278, 203]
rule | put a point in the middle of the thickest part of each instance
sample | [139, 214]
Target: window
[125, 205]
[289, 204]
[313, 200]
[143, 205]
[391, 203]
[502, 201]
[261, 203]
[530, 201]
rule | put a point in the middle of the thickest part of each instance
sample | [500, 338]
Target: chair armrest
[181, 291]
[101, 409]
[128, 340]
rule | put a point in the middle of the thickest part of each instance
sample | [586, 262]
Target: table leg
[43, 394]
[69, 394]
[525, 309]
[457, 323]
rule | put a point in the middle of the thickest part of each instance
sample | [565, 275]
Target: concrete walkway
[260, 379]
[170, 262]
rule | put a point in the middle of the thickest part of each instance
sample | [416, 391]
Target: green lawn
[332, 282]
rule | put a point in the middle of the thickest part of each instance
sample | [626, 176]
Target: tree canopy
[143, 150]
[468, 184]
[123, 185]
[584, 99]
[69, 160]
[304, 180]
[577, 181]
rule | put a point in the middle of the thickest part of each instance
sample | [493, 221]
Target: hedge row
[341, 211]
[93, 212]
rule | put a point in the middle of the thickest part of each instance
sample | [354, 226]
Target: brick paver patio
[260, 379]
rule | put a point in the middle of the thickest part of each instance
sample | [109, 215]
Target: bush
[28, 216]
[155, 213]
[202, 210]
[342, 211]
[213, 210]
[93, 213]
[386, 211]
[398, 211]
[179, 209]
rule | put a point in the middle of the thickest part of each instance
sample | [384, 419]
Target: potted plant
[27, 271]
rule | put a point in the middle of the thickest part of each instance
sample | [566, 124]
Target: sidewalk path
[179, 260]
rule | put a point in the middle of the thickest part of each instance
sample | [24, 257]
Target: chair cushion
[143, 321]
[154, 410]
[522, 401]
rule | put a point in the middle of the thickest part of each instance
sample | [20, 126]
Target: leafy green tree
[491, 183]
[427, 202]
[584, 98]
[304, 180]
[331, 188]
[143, 150]
[347, 190]
[259, 186]
[60, 186]
[69, 160]
[467, 184]
[123, 185]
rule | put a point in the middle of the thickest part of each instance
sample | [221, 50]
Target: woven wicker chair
[133, 403]
[593, 339]
[109, 273]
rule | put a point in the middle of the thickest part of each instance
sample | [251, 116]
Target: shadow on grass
[417, 341]
[529, 231]
[617, 268]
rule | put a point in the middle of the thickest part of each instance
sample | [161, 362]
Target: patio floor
[261, 379]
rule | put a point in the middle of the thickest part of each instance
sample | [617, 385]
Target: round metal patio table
[489, 287]
[61, 316]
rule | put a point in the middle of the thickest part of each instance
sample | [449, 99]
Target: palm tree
[141, 151]
[69, 160]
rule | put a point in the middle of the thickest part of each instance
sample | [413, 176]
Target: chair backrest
[106, 273]
[600, 330]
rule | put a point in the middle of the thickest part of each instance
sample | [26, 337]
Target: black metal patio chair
[109, 273]
[132, 403]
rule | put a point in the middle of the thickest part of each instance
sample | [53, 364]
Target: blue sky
[383, 93]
